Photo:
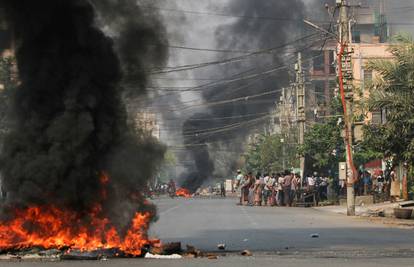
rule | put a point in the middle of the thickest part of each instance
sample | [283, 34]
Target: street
[281, 235]
[204, 223]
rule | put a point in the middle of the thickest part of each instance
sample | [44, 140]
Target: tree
[167, 169]
[393, 91]
[266, 153]
[324, 145]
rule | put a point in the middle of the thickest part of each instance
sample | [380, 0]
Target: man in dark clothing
[287, 187]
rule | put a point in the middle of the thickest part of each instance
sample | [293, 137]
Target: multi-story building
[370, 32]
[148, 123]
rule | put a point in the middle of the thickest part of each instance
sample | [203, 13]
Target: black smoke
[70, 122]
[245, 34]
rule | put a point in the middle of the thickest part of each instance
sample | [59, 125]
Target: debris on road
[192, 252]
[221, 246]
[163, 257]
[167, 249]
[314, 235]
[246, 253]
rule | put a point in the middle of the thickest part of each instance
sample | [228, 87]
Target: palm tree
[393, 92]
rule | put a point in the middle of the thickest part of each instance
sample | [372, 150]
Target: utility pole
[300, 106]
[346, 88]
[283, 126]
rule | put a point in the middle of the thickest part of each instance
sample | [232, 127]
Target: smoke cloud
[70, 122]
[244, 34]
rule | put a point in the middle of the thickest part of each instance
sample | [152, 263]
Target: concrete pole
[347, 96]
[300, 95]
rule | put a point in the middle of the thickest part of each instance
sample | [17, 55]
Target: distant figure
[294, 188]
[380, 183]
[222, 189]
[238, 180]
[280, 196]
[366, 180]
[172, 188]
[395, 187]
[311, 183]
[287, 184]
[267, 190]
[258, 189]
[244, 188]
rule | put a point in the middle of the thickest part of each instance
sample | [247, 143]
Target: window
[332, 69]
[320, 92]
[318, 61]
[356, 36]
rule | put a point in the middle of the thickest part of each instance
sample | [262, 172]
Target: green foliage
[323, 147]
[167, 169]
[393, 91]
[267, 154]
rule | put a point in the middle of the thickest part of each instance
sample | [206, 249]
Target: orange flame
[54, 228]
[182, 192]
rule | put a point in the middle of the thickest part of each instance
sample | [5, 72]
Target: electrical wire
[229, 60]
[225, 15]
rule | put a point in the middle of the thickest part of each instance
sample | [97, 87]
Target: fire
[182, 192]
[51, 227]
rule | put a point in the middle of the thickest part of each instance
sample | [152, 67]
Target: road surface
[204, 223]
[276, 236]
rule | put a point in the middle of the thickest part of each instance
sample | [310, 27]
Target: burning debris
[72, 168]
[182, 192]
[50, 227]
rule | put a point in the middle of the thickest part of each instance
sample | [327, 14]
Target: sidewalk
[382, 213]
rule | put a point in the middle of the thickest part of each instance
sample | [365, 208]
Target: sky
[191, 24]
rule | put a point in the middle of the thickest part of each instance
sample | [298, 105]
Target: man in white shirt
[268, 187]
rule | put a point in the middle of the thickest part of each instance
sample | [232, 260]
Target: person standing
[267, 189]
[238, 180]
[311, 183]
[395, 186]
[380, 183]
[258, 189]
[294, 188]
[366, 179]
[223, 189]
[244, 189]
[287, 188]
[171, 188]
[280, 196]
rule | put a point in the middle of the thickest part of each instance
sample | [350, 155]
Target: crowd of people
[278, 189]
[380, 183]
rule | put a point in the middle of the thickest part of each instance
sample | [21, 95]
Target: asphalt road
[205, 223]
[276, 236]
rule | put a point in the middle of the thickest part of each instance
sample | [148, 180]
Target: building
[363, 53]
[148, 123]
[370, 34]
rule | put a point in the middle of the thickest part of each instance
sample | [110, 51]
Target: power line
[244, 98]
[228, 81]
[209, 49]
[226, 15]
[229, 60]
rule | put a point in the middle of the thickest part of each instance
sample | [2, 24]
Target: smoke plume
[244, 34]
[70, 122]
